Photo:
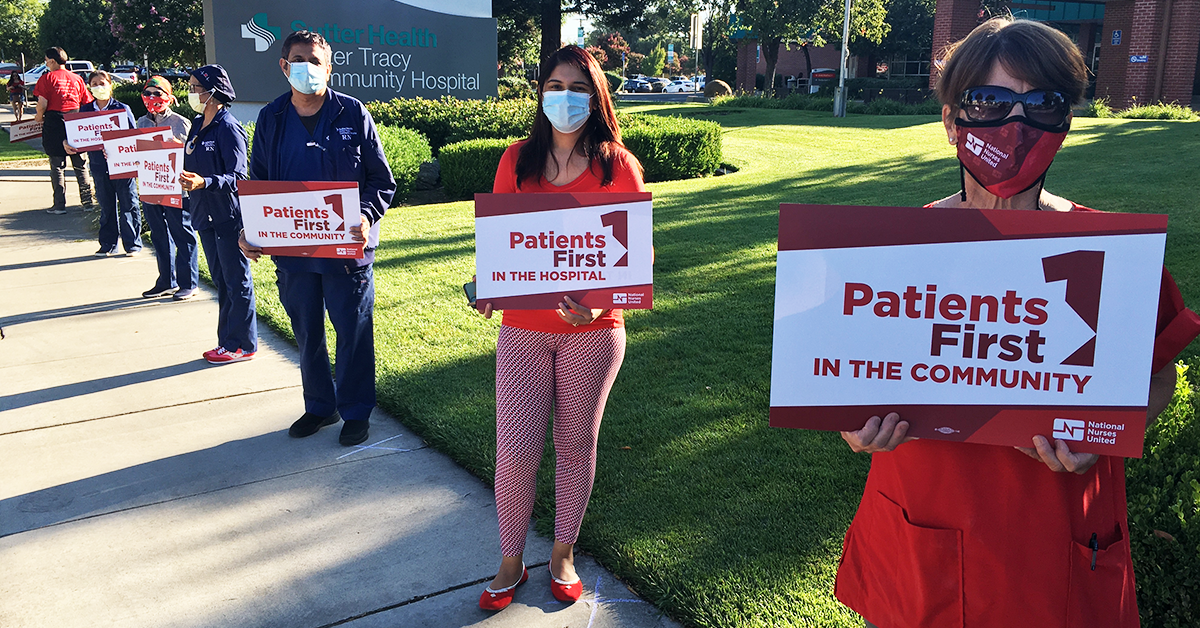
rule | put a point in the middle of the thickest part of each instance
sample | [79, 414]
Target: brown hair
[601, 138]
[56, 54]
[1031, 51]
[102, 74]
[306, 37]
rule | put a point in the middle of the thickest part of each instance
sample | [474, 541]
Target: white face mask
[567, 110]
[307, 78]
[194, 102]
[101, 92]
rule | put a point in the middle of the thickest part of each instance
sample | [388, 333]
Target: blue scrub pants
[119, 212]
[174, 246]
[350, 300]
[230, 271]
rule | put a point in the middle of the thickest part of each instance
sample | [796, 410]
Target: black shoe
[156, 292]
[308, 424]
[105, 252]
[183, 295]
[354, 432]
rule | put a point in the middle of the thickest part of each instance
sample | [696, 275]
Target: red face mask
[1009, 156]
[156, 105]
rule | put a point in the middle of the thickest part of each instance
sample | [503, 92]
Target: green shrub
[449, 120]
[717, 88]
[4, 90]
[804, 102]
[510, 87]
[469, 167]
[614, 82]
[1159, 111]
[672, 148]
[1164, 513]
[405, 150]
[889, 107]
[1095, 108]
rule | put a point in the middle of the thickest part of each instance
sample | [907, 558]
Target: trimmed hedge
[405, 150]
[449, 120]
[512, 87]
[131, 94]
[670, 147]
[1163, 488]
[470, 167]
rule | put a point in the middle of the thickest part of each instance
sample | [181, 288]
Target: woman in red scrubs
[952, 535]
[557, 363]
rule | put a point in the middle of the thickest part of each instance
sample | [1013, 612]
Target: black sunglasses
[990, 103]
[152, 93]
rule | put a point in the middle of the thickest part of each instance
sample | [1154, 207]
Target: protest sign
[983, 326]
[532, 249]
[120, 148]
[303, 218]
[21, 131]
[84, 128]
[159, 163]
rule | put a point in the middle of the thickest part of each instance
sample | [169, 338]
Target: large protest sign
[974, 325]
[532, 249]
[120, 148]
[84, 128]
[303, 218]
[21, 131]
[159, 163]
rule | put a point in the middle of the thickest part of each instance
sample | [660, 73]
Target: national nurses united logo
[262, 33]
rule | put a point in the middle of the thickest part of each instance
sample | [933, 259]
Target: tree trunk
[551, 27]
[770, 52]
[808, 69]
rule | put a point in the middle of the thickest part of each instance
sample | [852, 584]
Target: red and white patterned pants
[539, 373]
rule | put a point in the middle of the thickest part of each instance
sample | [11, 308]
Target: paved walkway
[140, 486]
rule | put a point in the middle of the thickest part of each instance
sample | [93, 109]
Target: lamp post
[839, 99]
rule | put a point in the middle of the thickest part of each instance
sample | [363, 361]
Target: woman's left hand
[575, 314]
[191, 181]
[1058, 456]
[358, 233]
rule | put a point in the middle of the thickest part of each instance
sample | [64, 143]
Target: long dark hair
[601, 137]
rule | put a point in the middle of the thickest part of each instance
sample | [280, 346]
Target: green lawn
[17, 151]
[702, 508]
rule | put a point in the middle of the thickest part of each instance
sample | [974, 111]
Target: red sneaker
[565, 591]
[221, 356]
[499, 599]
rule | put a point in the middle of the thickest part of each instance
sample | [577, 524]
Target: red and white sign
[159, 163]
[532, 249]
[303, 218]
[983, 326]
[84, 128]
[120, 149]
[21, 131]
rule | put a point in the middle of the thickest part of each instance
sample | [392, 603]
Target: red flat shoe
[499, 599]
[565, 591]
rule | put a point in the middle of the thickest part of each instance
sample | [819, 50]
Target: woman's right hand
[67, 147]
[878, 434]
[486, 310]
[251, 252]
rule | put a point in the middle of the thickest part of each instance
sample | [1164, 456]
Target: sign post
[983, 326]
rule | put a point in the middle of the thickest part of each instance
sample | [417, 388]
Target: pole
[839, 99]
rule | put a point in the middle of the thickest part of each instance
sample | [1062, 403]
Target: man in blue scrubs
[316, 134]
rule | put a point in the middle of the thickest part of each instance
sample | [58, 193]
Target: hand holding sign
[302, 218]
[84, 128]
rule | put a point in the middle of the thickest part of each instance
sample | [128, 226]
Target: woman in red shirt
[558, 362]
[952, 535]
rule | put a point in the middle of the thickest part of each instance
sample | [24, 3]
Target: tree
[614, 46]
[652, 65]
[773, 22]
[518, 34]
[598, 54]
[19, 29]
[911, 31]
[170, 32]
[76, 26]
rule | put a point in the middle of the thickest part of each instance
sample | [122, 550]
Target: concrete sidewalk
[140, 486]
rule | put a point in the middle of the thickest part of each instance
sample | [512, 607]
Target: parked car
[636, 85]
[676, 87]
[700, 82]
[7, 68]
[175, 74]
[125, 73]
[657, 84]
[678, 78]
[31, 77]
[78, 66]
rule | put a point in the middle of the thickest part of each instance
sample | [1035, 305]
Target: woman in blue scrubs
[214, 159]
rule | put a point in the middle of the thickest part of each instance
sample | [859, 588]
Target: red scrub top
[626, 177]
[63, 90]
[953, 535]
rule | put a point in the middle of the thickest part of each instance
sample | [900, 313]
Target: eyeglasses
[152, 93]
[990, 103]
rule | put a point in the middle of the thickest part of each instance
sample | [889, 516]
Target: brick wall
[952, 20]
[1143, 40]
[745, 65]
[1114, 60]
[1183, 41]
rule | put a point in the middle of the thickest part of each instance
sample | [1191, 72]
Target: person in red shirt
[60, 91]
[16, 94]
[980, 536]
[561, 362]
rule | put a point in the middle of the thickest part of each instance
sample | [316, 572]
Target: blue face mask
[567, 110]
[306, 77]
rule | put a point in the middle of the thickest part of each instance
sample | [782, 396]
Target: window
[914, 65]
